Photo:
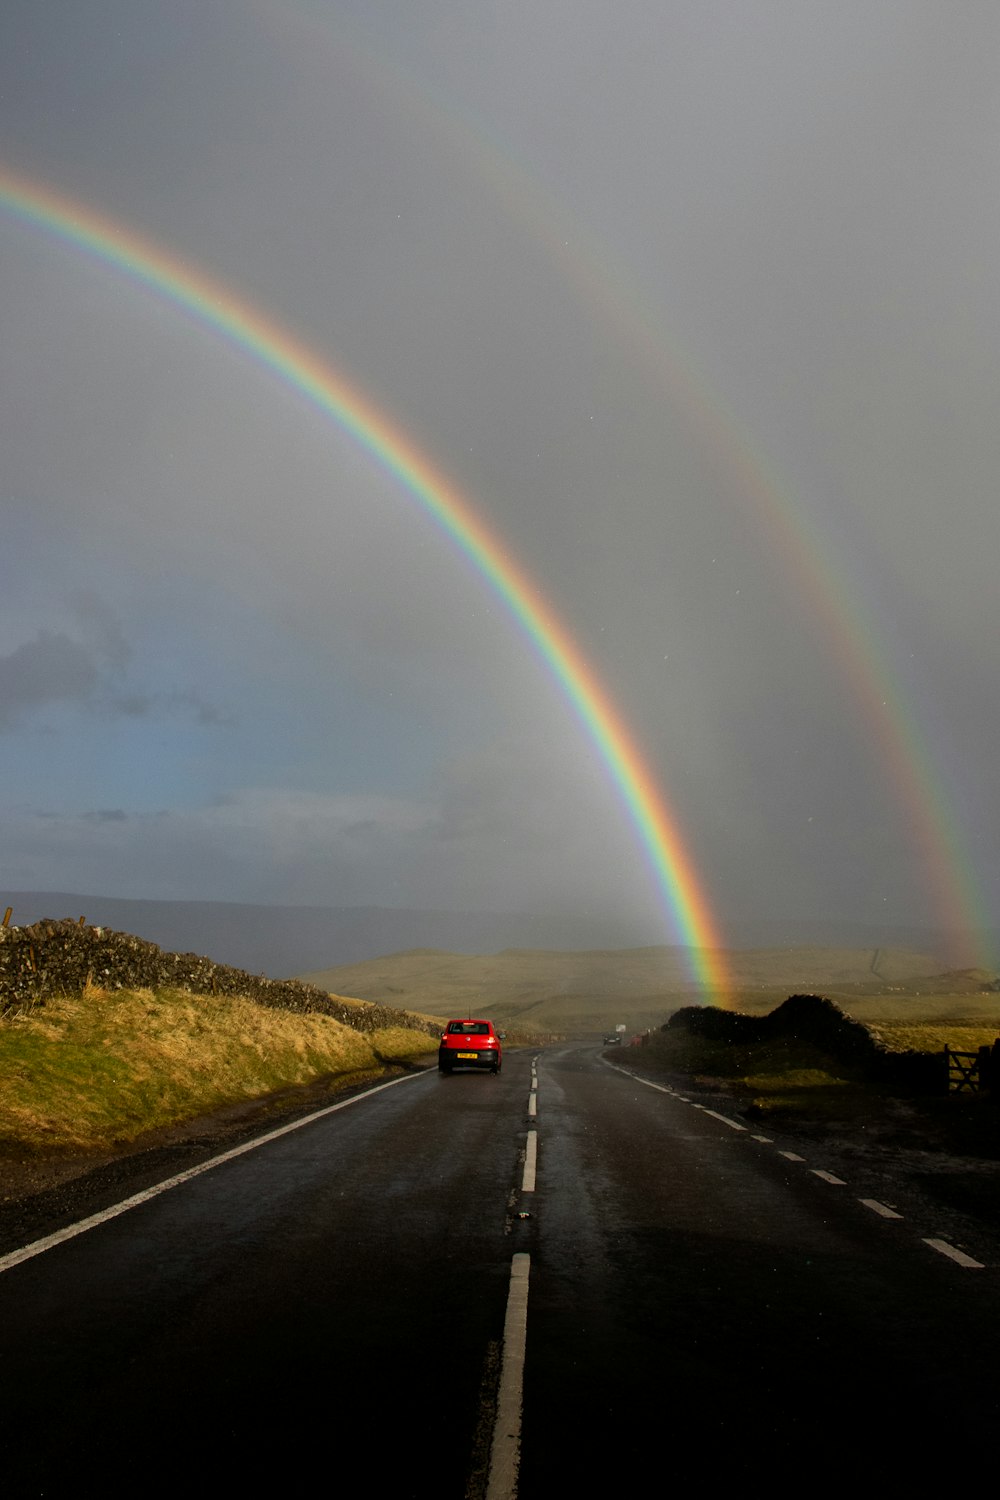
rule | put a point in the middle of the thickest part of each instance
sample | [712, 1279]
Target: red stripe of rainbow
[314, 378]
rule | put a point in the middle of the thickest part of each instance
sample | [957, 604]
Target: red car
[470, 1044]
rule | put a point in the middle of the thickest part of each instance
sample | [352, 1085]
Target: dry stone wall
[817, 1020]
[62, 957]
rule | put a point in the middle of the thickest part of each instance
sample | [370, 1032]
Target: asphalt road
[330, 1308]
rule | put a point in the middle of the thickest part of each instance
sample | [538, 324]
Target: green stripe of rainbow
[316, 380]
[927, 794]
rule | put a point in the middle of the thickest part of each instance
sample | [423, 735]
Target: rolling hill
[595, 989]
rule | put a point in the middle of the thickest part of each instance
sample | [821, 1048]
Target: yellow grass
[592, 991]
[933, 1036]
[103, 1068]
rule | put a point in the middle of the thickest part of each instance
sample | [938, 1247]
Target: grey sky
[695, 302]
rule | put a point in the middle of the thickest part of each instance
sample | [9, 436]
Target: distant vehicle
[470, 1044]
[613, 1039]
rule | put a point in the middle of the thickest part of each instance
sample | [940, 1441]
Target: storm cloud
[49, 669]
[693, 303]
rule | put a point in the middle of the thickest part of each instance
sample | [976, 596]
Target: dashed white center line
[505, 1450]
[958, 1256]
[791, 1156]
[880, 1208]
[530, 1163]
[766, 1140]
[532, 1104]
[828, 1177]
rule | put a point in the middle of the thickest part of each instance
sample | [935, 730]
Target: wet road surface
[698, 1304]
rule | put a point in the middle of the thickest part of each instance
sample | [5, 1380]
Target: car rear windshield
[470, 1028]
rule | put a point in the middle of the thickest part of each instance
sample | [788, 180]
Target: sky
[693, 303]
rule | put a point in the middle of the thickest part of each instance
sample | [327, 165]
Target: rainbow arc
[215, 307]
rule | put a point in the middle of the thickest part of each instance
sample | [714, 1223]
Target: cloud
[102, 630]
[90, 672]
[481, 839]
[190, 701]
[50, 669]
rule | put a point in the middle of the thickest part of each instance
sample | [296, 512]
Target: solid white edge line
[733, 1124]
[880, 1208]
[530, 1162]
[505, 1449]
[38, 1247]
[958, 1256]
[637, 1078]
[662, 1088]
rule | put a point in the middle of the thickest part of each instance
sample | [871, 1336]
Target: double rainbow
[248, 329]
[924, 795]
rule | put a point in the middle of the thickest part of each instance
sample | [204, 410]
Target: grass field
[593, 991]
[790, 1076]
[102, 1068]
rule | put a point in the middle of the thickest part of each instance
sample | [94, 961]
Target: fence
[973, 1072]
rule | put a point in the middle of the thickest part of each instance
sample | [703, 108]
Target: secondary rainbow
[245, 326]
[927, 806]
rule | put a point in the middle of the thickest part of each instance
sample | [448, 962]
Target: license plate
[467, 1056]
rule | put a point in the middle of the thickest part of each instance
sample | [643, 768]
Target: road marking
[38, 1247]
[662, 1088]
[883, 1210]
[637, 1078]
[880, 1208]
[530, 1162]
[733, 1124]
[958, 1256]
[532, 1104]
[505, 1449]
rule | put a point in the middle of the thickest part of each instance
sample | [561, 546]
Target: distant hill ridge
[280, 941]
[594, 989]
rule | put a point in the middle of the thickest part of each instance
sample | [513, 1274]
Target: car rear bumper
[485, 1057]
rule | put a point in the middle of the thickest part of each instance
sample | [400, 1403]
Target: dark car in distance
[470, 1044]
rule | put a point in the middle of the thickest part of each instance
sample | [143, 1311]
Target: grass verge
[782, 1076]
[101, 1069]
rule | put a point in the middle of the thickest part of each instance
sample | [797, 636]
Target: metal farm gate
[972, 1072]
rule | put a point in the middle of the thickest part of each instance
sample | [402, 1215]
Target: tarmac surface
[704, 1302]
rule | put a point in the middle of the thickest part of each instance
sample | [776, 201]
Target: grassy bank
[789, 1074]
[778, 1075]
[103, 1068]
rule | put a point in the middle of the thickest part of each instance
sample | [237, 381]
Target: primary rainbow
[927, 805]
[244, 326]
